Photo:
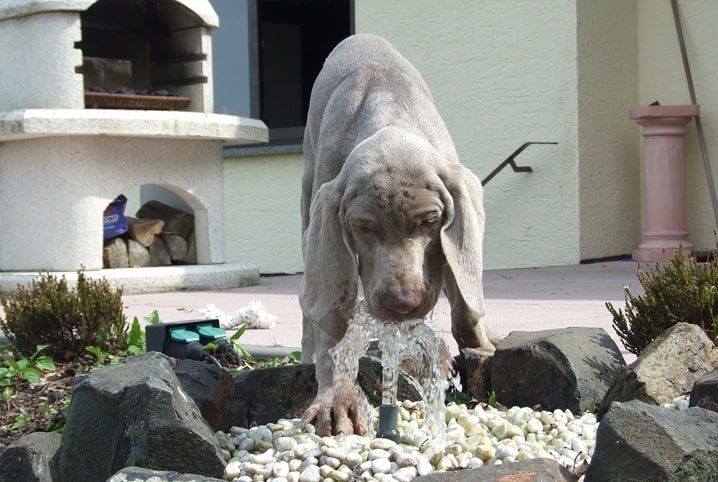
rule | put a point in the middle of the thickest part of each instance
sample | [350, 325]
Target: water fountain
[410, 345]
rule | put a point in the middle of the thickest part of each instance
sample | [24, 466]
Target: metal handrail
[510, 161]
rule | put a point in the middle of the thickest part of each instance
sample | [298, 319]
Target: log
[176, 221]
[144, 230]
[139, 256]
[114, 254]
[191, 257]
[176, 245]
[159, 255]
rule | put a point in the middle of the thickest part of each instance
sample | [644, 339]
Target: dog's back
[365, 85]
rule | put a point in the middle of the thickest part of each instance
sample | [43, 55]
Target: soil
[40, 406]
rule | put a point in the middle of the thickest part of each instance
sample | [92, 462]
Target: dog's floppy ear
[463, 233]
[329, 285]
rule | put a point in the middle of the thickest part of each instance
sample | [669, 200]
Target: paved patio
[518, 299]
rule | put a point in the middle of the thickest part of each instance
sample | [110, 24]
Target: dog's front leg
[336, 408]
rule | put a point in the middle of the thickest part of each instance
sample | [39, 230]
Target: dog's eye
[430, 222]
[362, 225]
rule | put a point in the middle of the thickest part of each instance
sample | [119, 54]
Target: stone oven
[98, 97]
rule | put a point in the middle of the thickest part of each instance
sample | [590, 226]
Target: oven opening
[142, 54]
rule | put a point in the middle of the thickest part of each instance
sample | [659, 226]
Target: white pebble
[233, 470]
[405, 474]
[282, 444]
[382, 443]
[378, 454]
[353, 459]
[483, 435]
[503, 451]
[534, 425]
[380, 466]
[424, 467]
[280, 469]
[310, 474]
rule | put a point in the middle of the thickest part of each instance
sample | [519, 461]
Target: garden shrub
[66, 320]
[682, 290]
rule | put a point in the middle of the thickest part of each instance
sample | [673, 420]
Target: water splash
[409, 345]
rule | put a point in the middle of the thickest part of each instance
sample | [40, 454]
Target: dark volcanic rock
[705, 391]
[638, 441]
[211, 387]
[666, 369]
[536, 470]
[569, 368]
[31, 458]
[136, 413]
[265, 395]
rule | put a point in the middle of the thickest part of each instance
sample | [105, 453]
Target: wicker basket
[102, 100]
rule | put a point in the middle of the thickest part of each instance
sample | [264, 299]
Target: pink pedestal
[664, 200]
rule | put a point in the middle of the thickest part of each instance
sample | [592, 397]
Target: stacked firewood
[159, 235]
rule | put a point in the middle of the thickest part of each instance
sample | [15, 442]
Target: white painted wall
[609, 158]
[661, 77]
[262, 218]
[503, 73]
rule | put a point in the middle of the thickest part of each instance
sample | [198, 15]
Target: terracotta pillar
[664, 185]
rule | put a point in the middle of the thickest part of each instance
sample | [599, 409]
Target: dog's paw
[335, 410]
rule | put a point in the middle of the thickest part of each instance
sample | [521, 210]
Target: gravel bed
[475, 437]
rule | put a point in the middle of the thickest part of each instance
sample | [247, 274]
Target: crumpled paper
[254, 316]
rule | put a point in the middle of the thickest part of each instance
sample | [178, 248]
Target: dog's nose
[402, 301]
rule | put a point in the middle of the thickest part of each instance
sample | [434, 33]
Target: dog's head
[397, 216]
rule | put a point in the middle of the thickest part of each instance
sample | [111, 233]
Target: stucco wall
[662, 78]
[609, 159]
[262, 218]
[502, 73]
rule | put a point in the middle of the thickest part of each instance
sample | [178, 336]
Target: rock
[369, 377]
[211, 387]
[31, 458]
[638, 441]
[568, 368]
[265, 395]
[535, 470]
[666, 369]
[136, 413]
[475, 367]
[140, 474]
[705, 391]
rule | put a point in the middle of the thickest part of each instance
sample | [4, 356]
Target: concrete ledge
[161, 279]
[32, 123]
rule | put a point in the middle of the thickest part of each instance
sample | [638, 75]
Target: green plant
[682, 290]
[234, 340]
[492, 399]
[27, 368]
[68, 320]
[293, 358]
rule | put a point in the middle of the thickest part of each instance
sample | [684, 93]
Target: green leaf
[240, 331]
[135, 350]
[136, 334]
[7, 393]
[95, 351]
[31, 375]
[20, 420]
[153, 319]
[39, 348]
[45, 363]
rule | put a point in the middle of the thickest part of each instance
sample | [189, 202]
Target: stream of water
[409, 345]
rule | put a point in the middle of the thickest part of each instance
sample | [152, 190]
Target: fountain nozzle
[388, 422]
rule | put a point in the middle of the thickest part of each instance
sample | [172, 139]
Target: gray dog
[384, 199]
